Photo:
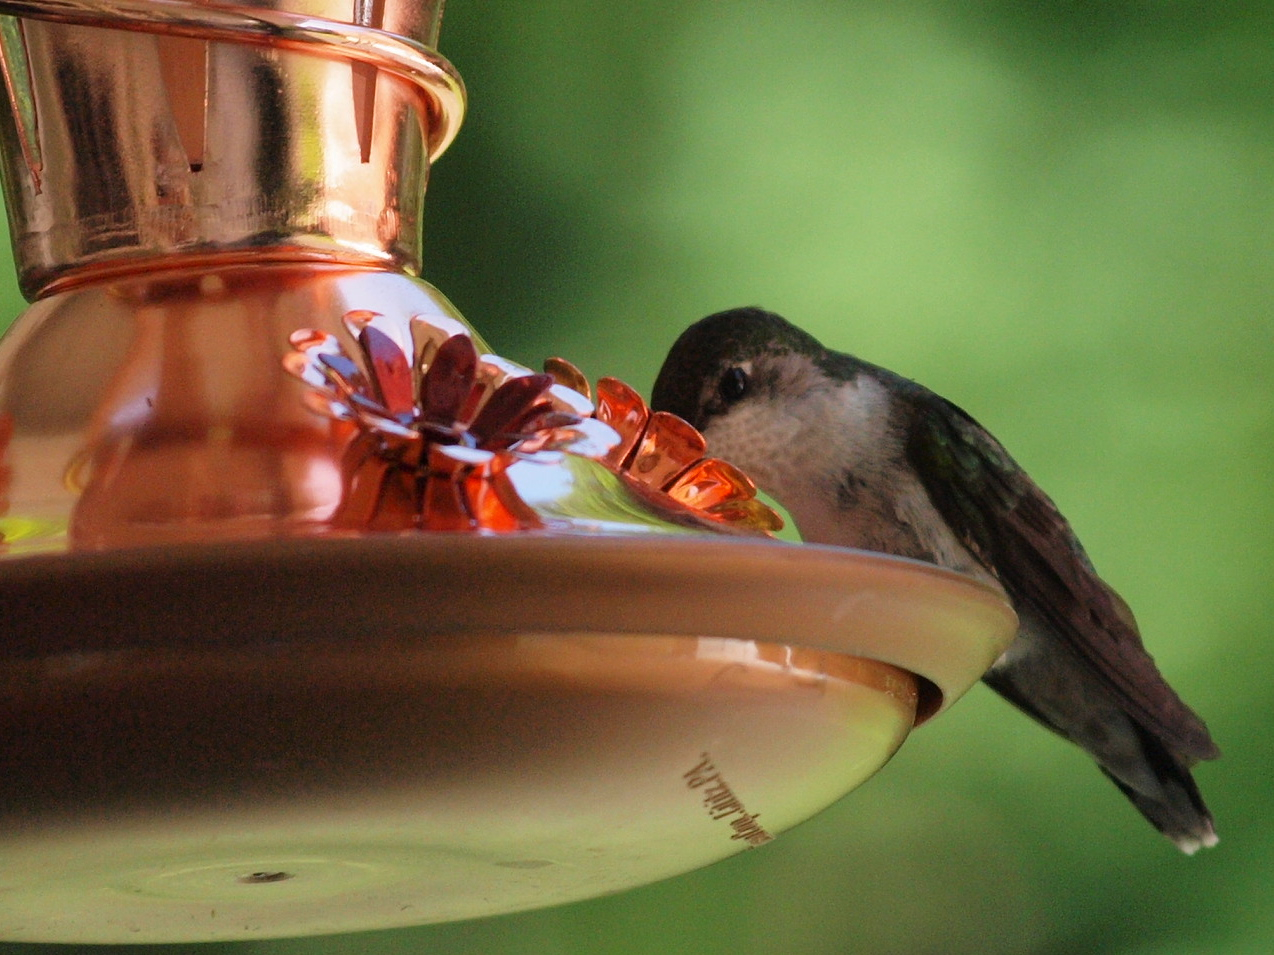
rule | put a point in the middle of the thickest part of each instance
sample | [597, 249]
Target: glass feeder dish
[315, 616]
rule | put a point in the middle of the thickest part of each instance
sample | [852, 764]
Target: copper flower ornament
[662, 455]
[436, 425]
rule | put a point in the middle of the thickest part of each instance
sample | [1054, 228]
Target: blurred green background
[1058, 214]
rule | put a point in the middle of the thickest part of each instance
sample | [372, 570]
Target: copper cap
[137, 129]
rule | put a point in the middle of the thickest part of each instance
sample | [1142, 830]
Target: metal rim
[436, 79]
[442, 583]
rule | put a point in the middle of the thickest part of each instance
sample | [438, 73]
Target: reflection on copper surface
[188, 431]
[437, 425]
[142, 129]
[662, 457]
[156, 410]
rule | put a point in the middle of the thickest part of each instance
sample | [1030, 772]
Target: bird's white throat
[833, 453]
[799, 438]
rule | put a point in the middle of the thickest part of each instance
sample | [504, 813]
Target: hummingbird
[862, 457]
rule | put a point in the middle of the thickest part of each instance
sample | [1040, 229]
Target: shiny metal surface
[140, 129]
[155, 408]
[311, 736]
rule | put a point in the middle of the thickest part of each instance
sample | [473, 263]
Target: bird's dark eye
[733, 385]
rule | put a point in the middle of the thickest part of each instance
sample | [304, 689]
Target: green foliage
[1059, 216]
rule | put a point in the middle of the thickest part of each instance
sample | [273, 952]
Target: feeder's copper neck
[143, 133]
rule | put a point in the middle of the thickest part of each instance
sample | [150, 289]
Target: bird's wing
[1013, 528]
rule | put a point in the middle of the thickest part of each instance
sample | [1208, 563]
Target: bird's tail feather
[1155, 779]
[1176, 809]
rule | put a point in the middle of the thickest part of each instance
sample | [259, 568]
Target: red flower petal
[468, 489]
[497, 422]
[619, 406]
[391, 371]
[494, 503]
[566, 374]
[710, 482]
[669, 446]
[372, 417]
[447, 385]
[378, 495]
[749, 513]
[341, 374]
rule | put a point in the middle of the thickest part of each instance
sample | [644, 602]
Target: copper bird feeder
[316, 615]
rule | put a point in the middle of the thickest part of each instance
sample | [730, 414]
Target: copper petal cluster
[664, 453]
[437, 424]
